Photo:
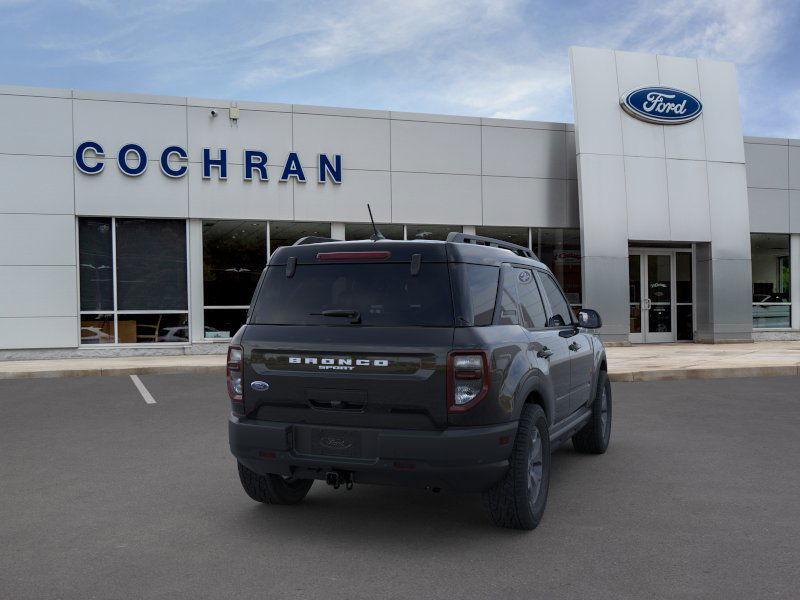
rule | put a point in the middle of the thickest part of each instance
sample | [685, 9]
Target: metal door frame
[644, 337]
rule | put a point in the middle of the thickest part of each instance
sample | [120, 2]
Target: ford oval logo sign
[662, 105]
[259, 386]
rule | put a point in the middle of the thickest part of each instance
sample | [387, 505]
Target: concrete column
[195, 258]
[337, 231]
[795, 275]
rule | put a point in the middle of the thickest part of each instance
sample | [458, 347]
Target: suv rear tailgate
[340, 375]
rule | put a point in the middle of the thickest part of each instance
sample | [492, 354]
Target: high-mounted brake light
[367, 255]
[468, 379]
[233, 375]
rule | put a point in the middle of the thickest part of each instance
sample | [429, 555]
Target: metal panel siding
[687, 181]
[113, 124]
[363, 143]
[648, 205]
[151, 194]
[328, 202]
[794, 211]
[435, 198]
[27, 239]
[39, 291]
[436, 148]
[523, 152]
[237, 199]
[38, 332]
[34, 125]
[270, 132]
[794, 167]
[635, 70]
[730, 215]
[722, 120]
[767, 166]
[595, 94]
[603, 207]
[688, 140]
[36, 184]
[769, 210]
[525, 202]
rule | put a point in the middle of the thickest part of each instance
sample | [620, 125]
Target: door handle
[574, 346]
[545, 352]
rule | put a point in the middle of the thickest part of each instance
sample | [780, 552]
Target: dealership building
[136, 224]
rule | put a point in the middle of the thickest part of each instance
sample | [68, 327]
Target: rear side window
[508, 298]
[384, 294]
[475, 287]
[530, 300]
[561, 314]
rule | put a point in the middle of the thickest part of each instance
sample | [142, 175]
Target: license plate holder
[336, 442]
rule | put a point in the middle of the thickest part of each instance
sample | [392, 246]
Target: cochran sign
[663, 105]
[173, 160]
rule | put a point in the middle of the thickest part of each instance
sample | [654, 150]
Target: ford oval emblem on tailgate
[260, 386]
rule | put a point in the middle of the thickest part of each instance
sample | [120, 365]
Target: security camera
[213, 113]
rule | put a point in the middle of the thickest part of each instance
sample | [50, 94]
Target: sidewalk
[655, 362]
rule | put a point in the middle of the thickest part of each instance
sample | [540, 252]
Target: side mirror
[589, 319]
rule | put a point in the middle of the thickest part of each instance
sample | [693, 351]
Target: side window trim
[505, 269]
[542, 296]
[548, 307]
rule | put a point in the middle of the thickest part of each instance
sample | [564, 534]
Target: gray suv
[453, 365]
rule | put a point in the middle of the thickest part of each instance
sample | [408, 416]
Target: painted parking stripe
[148, 397]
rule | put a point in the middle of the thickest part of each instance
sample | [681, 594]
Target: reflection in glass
[431, 232]
[282, 233]
[636, 318]
[560, 249]
[659, 285]
[635, 271]
[683, 277]
[234, 254]
[515, 235]
[97, 329]
[153, 328]
[223, 323]
[151, 264]
[771, 280]
[96, 264]
[684, 326]
[660, 318]
[363, 231]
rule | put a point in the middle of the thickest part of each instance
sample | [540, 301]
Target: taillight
[233, 373]
[468, 379]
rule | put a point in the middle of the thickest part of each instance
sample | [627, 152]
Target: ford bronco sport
[451, 365]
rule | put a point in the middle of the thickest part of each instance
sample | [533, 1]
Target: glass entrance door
[660, 297]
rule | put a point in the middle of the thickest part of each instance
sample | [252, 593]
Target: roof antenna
[377, 235]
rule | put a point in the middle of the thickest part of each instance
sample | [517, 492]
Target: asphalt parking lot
[107, 496]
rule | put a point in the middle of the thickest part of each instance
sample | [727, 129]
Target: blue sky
[503, 58]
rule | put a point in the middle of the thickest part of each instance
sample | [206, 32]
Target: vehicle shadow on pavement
[385, 512]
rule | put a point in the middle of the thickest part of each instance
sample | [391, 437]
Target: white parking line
[148, 397]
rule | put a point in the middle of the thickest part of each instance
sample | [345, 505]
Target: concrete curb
[113, 371]
[705, 373]
[615, 376]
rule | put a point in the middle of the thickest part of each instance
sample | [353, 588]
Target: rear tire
[518, 500]
[596, 434]
[273, 489]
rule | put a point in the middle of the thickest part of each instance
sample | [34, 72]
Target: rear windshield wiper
[353, 315]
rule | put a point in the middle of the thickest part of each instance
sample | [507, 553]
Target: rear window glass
[382, 294]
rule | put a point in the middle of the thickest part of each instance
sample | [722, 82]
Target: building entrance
[661, 295]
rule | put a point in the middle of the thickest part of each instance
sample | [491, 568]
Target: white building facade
[134, 224]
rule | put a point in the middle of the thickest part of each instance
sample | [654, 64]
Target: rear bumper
[469, 459]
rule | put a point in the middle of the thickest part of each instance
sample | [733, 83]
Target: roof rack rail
[314, 239]
[480, 240]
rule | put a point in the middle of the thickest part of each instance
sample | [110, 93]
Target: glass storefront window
[96, 264]
[431, 232]
[283, 233]
[234, 255]
[223, 323]
[133, 278]
[515, 235]
[560, 249]
[771, 280]
[363, 231]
